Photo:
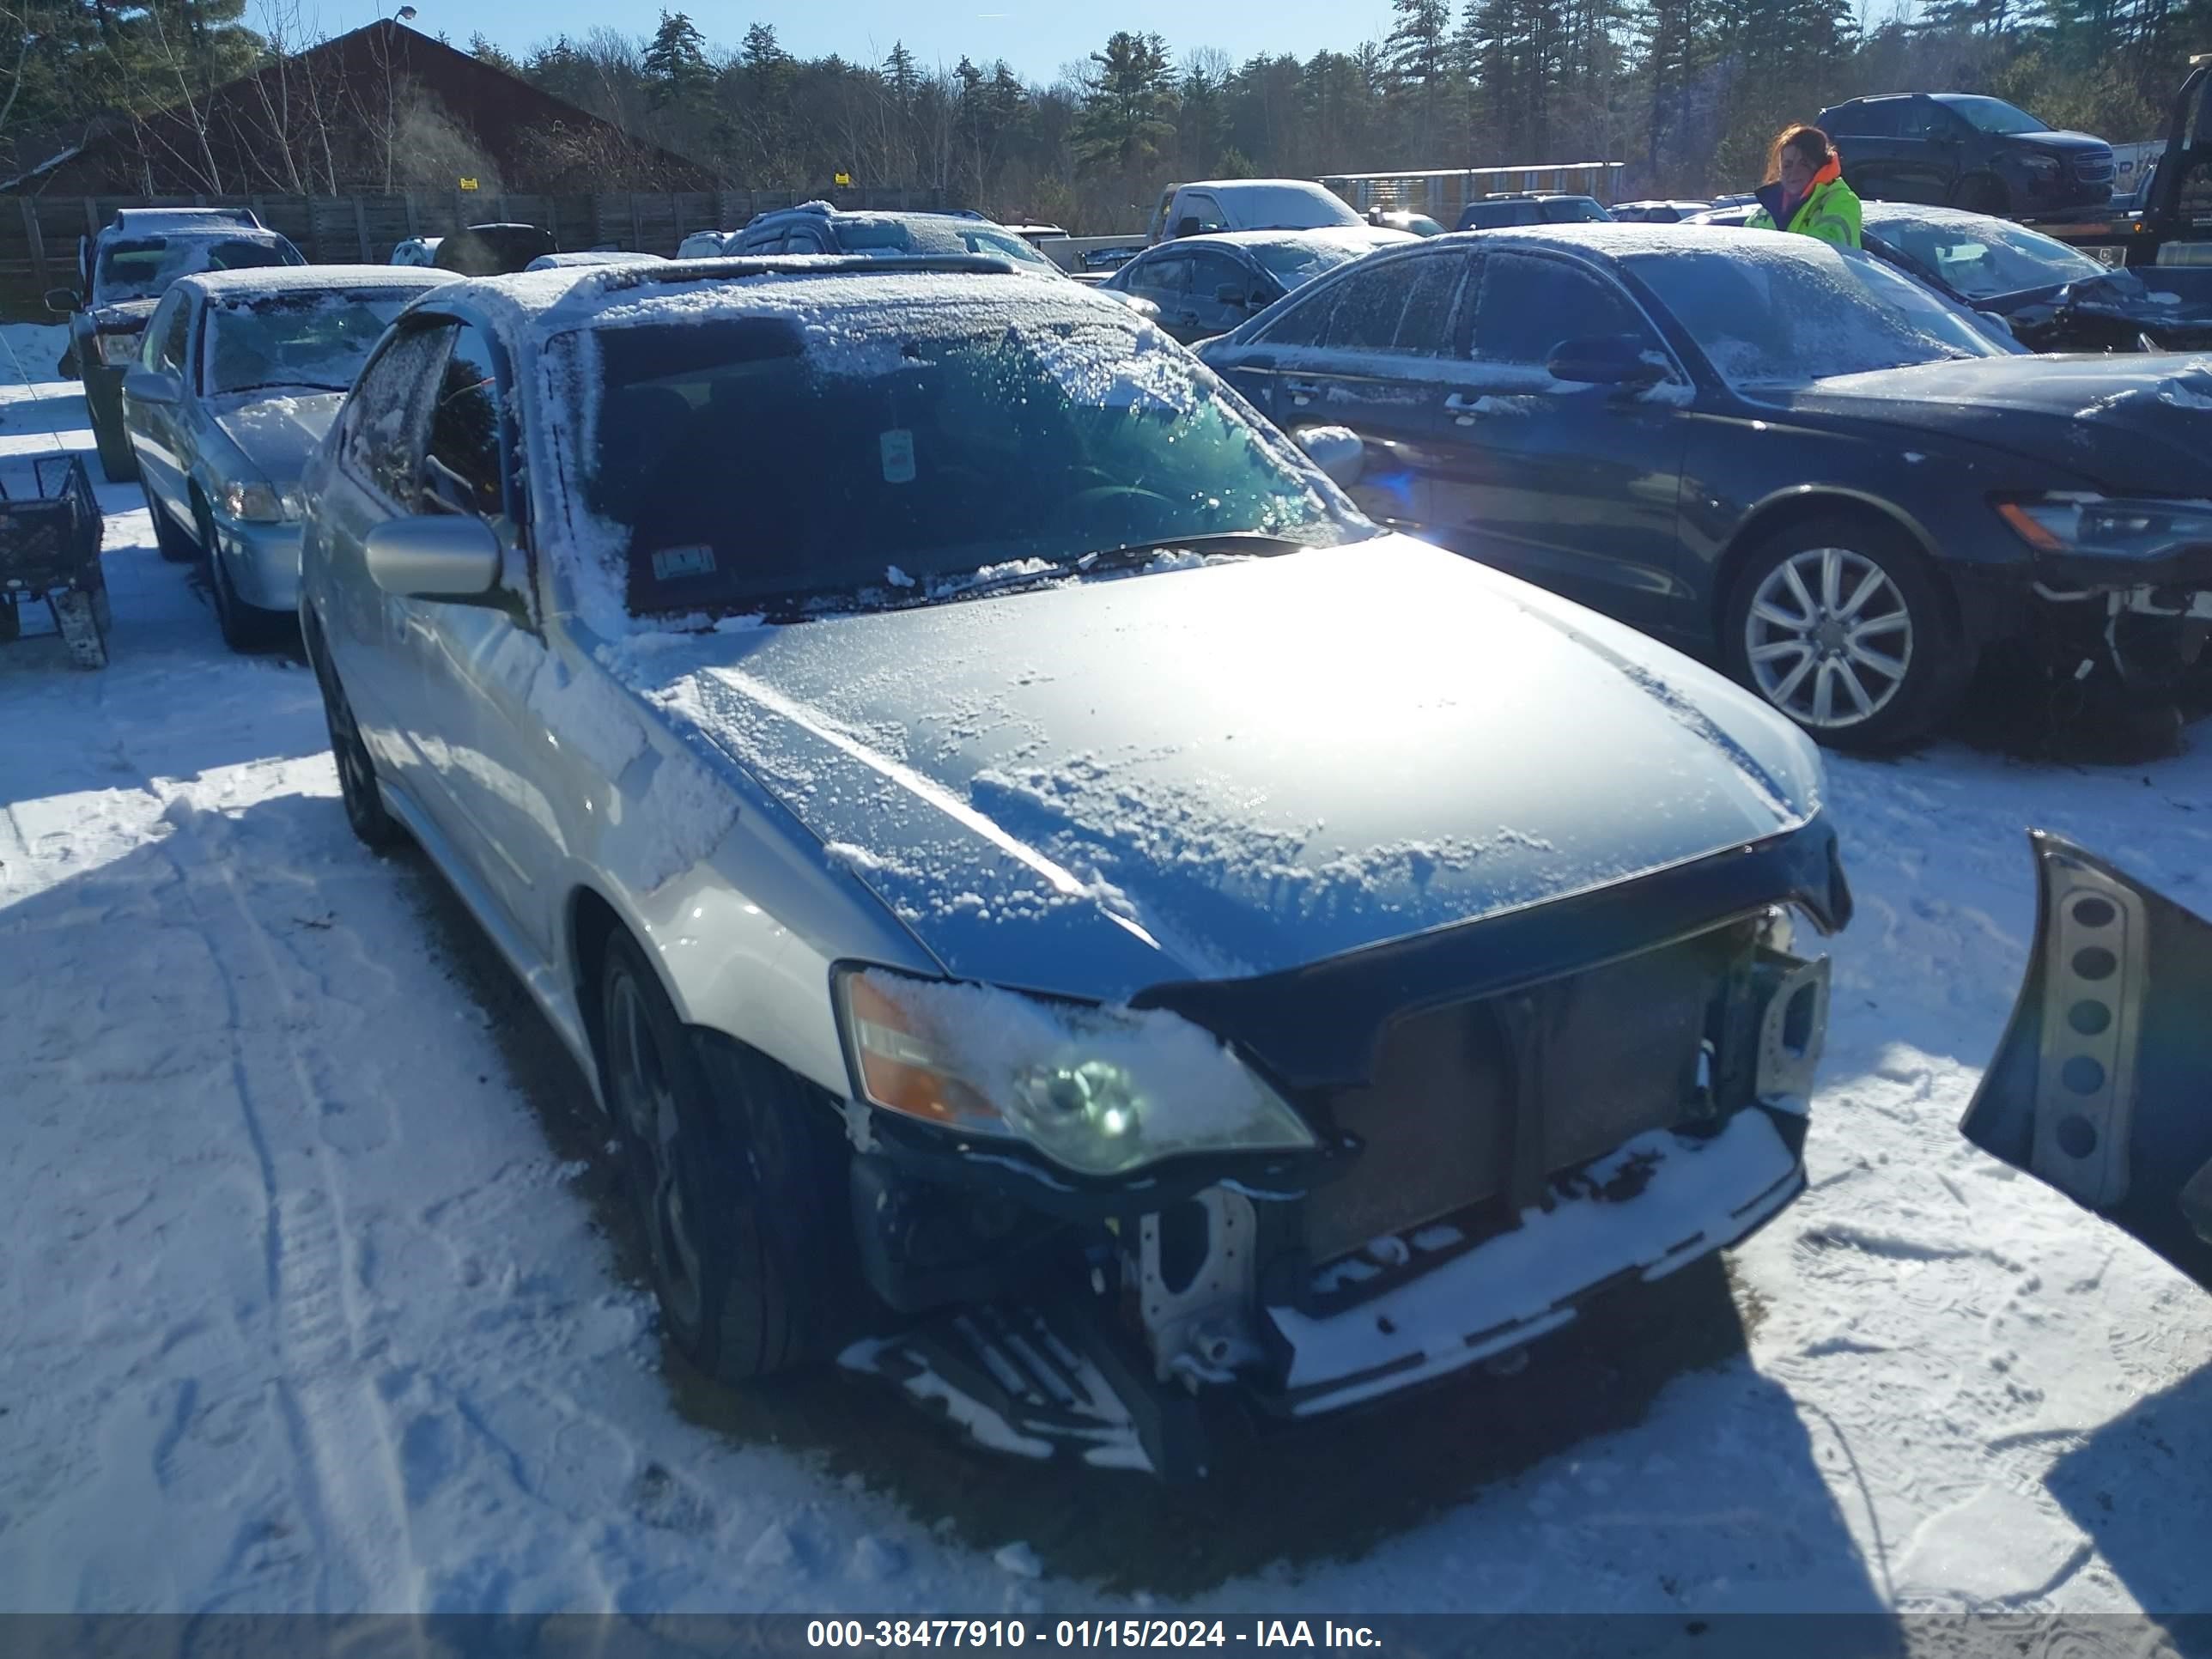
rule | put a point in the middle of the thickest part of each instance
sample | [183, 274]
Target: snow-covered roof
[565, 297]
[1360, 238]
[261, 281]
[597, 257]
[1630, 240]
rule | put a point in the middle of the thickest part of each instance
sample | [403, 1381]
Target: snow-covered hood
[1240, 767]
[278, 434]
[2137, 423]
[123, 316]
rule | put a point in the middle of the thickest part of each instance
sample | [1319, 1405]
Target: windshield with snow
[1778, 315]
[316, 342]
[888, 236]
[1992, 114]
[143, 267]
[731, 463]
[1987, 256]
[1292, 263]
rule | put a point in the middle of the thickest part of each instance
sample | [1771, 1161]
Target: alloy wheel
[1830, 638]
[645, 1103]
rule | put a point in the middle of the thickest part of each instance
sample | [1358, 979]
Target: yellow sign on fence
[844, 179]
[468, 184]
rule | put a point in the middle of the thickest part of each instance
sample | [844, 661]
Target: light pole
[404, 15]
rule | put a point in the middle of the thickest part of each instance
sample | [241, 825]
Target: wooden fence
[39, 233]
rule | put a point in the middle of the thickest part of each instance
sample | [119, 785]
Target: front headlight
[2118, 526]
[121, 348]
[261, 503]
[1100, 1091]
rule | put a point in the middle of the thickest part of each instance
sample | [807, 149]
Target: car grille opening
[2094, 169]
[1616, 1050]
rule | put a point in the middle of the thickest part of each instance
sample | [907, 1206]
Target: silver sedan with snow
[238, 376]
[1063, 914]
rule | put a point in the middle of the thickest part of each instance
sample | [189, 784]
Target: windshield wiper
[1131, 557]
[280, 386]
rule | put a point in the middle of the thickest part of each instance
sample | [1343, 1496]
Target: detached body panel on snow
[2103, 1086]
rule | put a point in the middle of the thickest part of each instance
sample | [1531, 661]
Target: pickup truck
[2171, 222]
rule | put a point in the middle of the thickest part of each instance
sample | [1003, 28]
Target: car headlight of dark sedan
[120, 349]
[1100, 1091]
[2122, 526]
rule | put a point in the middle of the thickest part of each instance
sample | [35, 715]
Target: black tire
[245, 627]
[373, 826]
[1903, 622]
[1981, 194]
[170, 539]
[737, 1174]
[103, 401]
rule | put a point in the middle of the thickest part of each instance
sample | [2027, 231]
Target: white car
[604, 256]
[707, 245]
[417, 251]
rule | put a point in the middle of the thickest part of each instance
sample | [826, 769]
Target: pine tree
[1126, 113]
[1419, 54]
[674, 62]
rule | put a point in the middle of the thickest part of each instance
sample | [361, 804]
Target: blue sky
[1036, 36]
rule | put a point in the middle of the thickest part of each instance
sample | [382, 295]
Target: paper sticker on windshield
[672, 564]
[898, 455]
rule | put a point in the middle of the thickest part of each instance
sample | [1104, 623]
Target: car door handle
[1301, 392]
[1466, 409]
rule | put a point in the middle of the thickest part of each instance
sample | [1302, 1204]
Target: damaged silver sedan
[1062, 913]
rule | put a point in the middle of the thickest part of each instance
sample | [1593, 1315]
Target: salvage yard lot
[317, 1297]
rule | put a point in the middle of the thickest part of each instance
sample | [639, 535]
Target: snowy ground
[314, 1299]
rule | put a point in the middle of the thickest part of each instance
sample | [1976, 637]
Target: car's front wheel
[169, 536]
[736, 1177]
[1840, 625]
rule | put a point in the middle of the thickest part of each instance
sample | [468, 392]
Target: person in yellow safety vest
[1805, 190]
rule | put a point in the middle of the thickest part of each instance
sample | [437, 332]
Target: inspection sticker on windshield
[898, 455]
[669, 563]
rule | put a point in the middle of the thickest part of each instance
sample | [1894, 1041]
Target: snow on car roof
[548, 302]
[1898, 212]
[257, 282]
[1629, 241]
[1362, 236]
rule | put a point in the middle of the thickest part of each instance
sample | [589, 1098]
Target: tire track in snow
[349, 1482]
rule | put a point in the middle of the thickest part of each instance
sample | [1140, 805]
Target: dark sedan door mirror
[1232, 294]
[62, 299]
[1186, 227]
[1337, 451]
[436, 556]
[1603, 359]
[155, 387]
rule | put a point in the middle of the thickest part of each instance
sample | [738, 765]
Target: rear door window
[1400, 305]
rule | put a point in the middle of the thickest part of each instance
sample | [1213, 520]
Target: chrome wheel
[1829, 637]
[645, 1105]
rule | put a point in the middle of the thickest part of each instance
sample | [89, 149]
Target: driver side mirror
[63, 300]
[1337, 451]
[1186, 227]
[1232, 294]
[434, 556]
[155, 387]
[1603, 359]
